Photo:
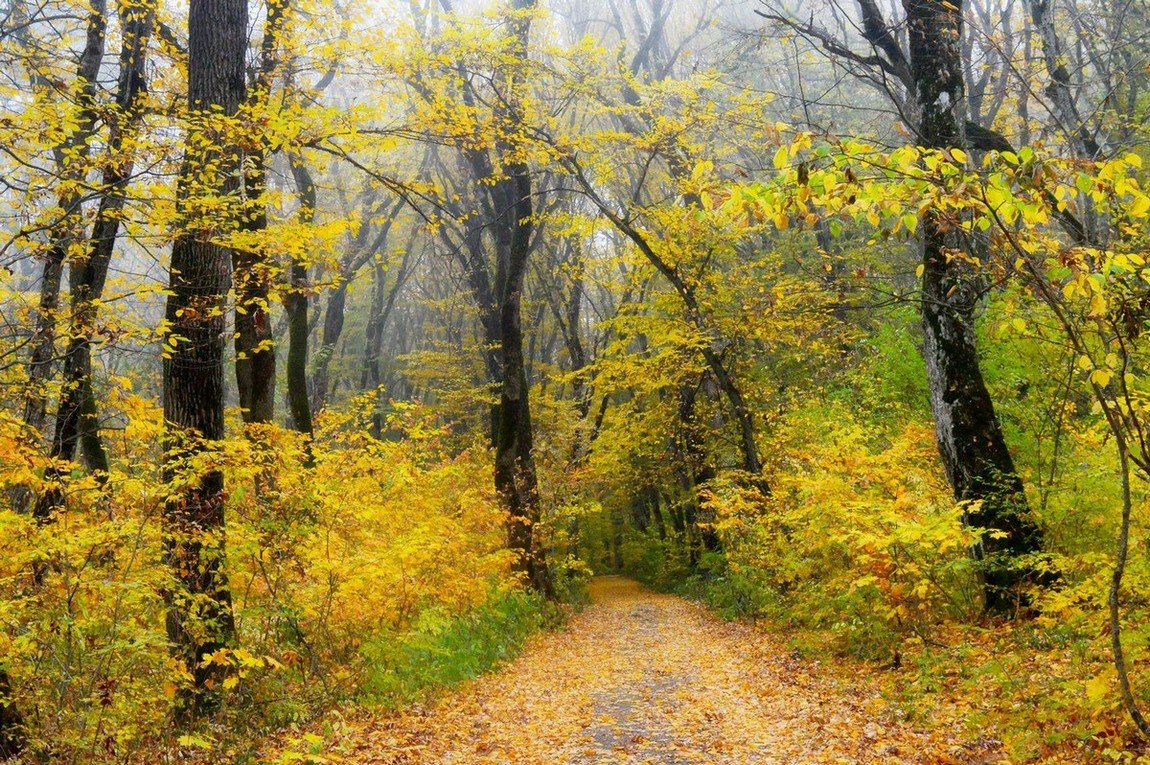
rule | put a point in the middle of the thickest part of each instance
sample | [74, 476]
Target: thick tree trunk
[200, 619]
[970, 439]
[473, 260]
[511, 196]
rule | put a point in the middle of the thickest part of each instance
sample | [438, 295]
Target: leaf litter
[641, 678]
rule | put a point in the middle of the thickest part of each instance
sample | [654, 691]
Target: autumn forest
[575, 381]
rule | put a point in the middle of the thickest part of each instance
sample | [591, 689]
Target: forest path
[642, 678]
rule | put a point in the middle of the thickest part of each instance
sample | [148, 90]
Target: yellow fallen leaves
[646, 678]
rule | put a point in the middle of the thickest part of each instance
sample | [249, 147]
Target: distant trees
[496, 220]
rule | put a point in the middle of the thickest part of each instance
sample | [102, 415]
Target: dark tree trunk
[254, 340]
[640, 513]
[697, 470]
[511, 196]
[333, 321]
[678, 523]
[295, 303]
[77, 417]
[472, 258]
[970, 439]
[13, 738]
[200, 619]
[71, 160]
[505, 209]
[373, 344]
[656, 509]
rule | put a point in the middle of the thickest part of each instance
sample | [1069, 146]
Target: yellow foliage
[319, 562]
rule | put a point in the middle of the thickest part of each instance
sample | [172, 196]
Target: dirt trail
[642, 678]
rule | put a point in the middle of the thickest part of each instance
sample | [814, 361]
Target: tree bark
[511, 196]
[200, 619]
[254, 341]
[13, 738]
[77, 416]
[295, 303]
[970, 439]
[70, 160]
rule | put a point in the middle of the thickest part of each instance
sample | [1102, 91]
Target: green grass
[441, 651]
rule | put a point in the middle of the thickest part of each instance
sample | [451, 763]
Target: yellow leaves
[781, 158]
[646, 678]
[1097, 304]
[196, 741]
[702, 170]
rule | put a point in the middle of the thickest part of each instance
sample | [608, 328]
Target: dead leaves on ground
[644, 678]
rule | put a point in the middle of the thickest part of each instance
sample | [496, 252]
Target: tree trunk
[13, 738]
[511, 196]
[200, 619]
[77, 416]
[970, 439]
[71, 161]
[295, 303]
[651, 497]
[373, 343]
[1082, 143]
[333, 320]
[254, 340]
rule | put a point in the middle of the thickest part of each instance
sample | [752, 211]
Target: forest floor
[643, 678]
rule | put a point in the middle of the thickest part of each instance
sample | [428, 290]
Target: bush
[381, 541]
